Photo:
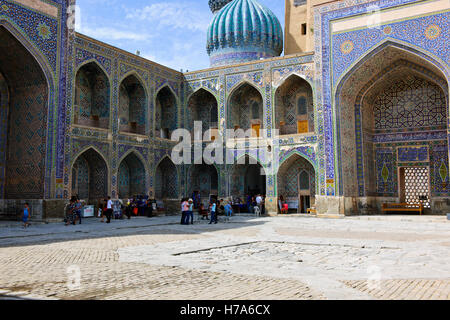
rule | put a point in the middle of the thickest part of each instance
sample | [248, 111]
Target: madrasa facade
[355, 113]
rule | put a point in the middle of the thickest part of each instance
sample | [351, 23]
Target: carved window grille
[417, 186]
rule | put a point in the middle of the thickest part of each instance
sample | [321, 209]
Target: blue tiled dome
[216, 5]
[244, 30]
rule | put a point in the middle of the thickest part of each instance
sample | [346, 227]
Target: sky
[169, 32]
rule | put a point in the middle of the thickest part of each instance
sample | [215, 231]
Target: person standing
[259, 202]
[70, 214]
[184, 210]
[109, 210]
[213, 212]
[26, 216]
[190, 215]
[103, 209]
[78, 209]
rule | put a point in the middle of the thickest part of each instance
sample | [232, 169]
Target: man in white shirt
[259, 201]
[109, 210]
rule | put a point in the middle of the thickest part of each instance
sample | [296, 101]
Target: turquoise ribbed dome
[244, 30]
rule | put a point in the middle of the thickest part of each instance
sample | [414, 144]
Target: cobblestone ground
[280, 258]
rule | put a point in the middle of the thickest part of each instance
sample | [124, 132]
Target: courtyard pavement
[246, 258]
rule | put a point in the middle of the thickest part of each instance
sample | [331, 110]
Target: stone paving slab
[286, 258]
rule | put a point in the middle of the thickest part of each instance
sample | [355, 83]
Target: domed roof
[216, 5]
[244, 30]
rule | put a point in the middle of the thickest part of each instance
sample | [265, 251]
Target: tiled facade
[355, 169]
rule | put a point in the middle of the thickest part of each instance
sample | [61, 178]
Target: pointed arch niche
[382, 118]
[132, 106]
[92, 97]
[294, 111]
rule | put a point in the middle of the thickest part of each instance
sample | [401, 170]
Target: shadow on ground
[92, 228]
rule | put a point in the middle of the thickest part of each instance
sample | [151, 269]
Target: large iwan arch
[24, 98]
[380, 120]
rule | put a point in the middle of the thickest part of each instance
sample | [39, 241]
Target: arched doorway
[165, 113]
[294, 107]
[297, 183]
[90, 177]
[204, 179]
[24, 107]
[166, 180]
[245, 109]
[202, 107]
[92, 97]
[248, 179]
[132, 106]
[132, 180]
[392, 130]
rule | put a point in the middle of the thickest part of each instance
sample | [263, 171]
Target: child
[26, 215]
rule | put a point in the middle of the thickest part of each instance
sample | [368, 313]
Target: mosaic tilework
[26, 120]
[326, 13]
[289, 177]
[294, 102]
[202, 106]
[439, 170]
[203, 178]
[93, 186]
[132, 104]
[166, 180]
[132, 177]
[245, 105]
[411, 154]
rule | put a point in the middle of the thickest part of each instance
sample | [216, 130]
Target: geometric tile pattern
[91, 174]
[245, 105]
[410, 103]
[290, 174]
[131, 177]
[26, 120]
[166, 184]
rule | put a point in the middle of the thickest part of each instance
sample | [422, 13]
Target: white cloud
[173, 15]
[112, 34]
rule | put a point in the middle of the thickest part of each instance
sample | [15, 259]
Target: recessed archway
[166, 180]
[245, 109]
[92, 96]
[132, 177]
[294, 108]
[204, 179]
[297, 183]
[382, 118]
[165, 113]
[24, 94]
[202, 106]
[90, 177]
[248, 178]
[132, 106]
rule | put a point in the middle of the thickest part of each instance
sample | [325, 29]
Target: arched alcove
[24, 94]
[294, 108]
[245, 109]
[247, 178]
[202, 106]
[132, 181]
[166, 180]
[90, 177]
[381, 118]
[92, 96]
[165, 113]
[132, 106]
[297, 183]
